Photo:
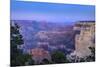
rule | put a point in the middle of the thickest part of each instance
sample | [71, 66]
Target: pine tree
[17, 56]
[59, 57]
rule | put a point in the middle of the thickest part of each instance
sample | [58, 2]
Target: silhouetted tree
[46, 61]
[59, 57]
[30, 62]
[91, 57]
[17, 56]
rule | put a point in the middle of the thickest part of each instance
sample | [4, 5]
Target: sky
[51, 12]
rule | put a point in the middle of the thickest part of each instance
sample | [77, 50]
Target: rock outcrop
[85, 37]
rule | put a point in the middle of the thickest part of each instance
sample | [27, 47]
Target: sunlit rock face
[39, 54]
[85, 37]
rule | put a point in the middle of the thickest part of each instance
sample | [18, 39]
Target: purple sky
[51, 12]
